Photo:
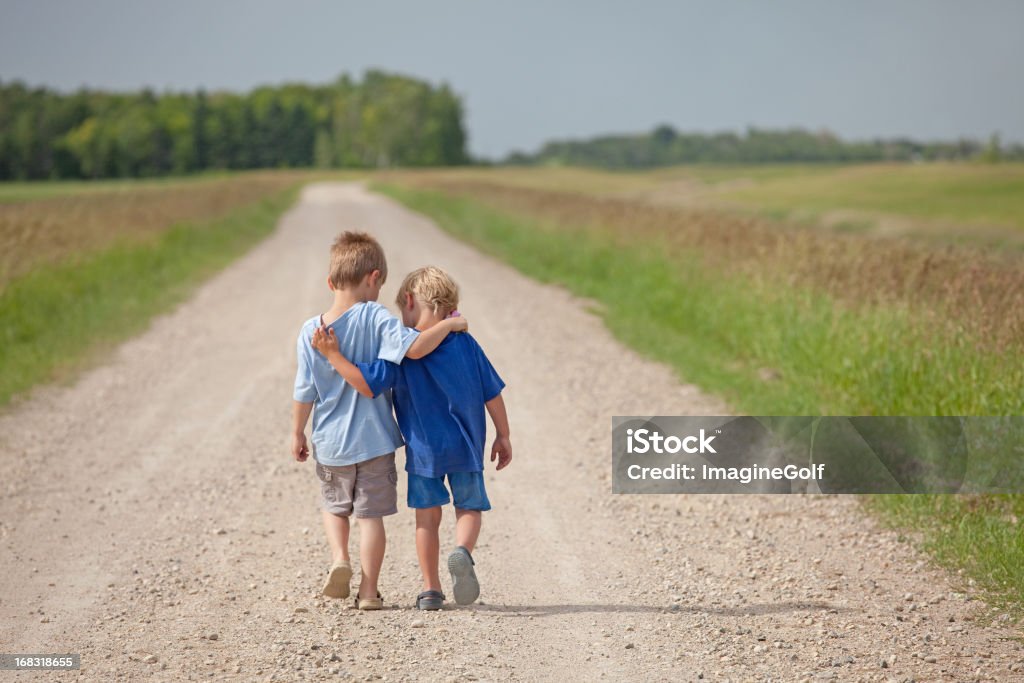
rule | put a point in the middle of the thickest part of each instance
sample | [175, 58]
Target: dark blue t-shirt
[439, 402]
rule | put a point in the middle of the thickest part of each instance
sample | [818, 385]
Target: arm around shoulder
[350, 373]
[327, 343]
[431, 338]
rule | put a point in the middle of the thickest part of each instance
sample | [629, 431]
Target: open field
[153, 521]
[755, 305]
[972, 291]
[25, 191]
[22, 191]
[73, 220]
[969, 195]
[80, 272]
[966, 202]
[784, 321]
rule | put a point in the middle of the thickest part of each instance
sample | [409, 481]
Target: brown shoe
[370, 603]
[338, 579]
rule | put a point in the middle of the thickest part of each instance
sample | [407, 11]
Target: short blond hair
[354, 255]
[432, 287]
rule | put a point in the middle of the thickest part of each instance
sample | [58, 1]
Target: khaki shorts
[368, 488]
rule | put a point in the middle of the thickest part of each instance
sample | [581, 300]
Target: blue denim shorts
[468, 491]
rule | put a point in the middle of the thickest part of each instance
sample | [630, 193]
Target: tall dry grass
[57, 229]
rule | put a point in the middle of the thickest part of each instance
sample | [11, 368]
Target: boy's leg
[427, 495]
[428, 546]
[337, 529]
[467, 528]
[336, 490]
[336, 485]
[470, 499]
[372, 542]
[376, 496]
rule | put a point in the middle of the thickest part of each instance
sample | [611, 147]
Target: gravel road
[152, 520]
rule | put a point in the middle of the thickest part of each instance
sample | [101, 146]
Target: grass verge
[774, 348]
[979, 535]
[31, 190]
[108, 295]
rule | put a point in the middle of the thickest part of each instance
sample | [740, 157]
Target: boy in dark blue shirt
[439, 402]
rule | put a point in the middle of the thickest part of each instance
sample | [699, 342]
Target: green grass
[722, 333]
[20, 191]
[967, 195]
[944, 202]
[981, 535]
[55, 318]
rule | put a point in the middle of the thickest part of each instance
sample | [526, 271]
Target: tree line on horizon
[383, 120]
[665, 146]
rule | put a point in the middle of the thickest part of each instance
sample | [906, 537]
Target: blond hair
[432, 287]
[354, 255]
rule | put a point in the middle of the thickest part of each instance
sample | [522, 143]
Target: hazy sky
[530, 71]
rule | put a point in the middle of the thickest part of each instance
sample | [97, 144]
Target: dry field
[55, 228]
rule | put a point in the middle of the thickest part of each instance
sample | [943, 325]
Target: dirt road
[152, 519]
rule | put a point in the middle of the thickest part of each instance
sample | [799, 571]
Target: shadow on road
[743, 611]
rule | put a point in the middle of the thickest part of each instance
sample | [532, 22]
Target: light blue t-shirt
[348, 427]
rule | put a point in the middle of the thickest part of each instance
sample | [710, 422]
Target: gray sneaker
[430, 600]
[465, 586]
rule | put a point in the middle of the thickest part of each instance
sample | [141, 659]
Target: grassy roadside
[19, 191]
[978, 535]
[64, 223]
[958, 203]
[29, 190]
[771, 347]
[105, 296]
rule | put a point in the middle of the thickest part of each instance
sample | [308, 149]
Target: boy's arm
[300, 416]
[327, 344]
[430, 339]
[304, 396]
[349, 372]
[502, 448]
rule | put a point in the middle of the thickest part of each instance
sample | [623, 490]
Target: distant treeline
[385, 120]
[664, 146]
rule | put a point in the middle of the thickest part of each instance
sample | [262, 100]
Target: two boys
[440, 392]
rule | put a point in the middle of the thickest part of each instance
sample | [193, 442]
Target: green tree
[383, 120]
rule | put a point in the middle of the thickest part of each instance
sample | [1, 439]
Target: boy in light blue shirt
[354, 437]
[440, 402]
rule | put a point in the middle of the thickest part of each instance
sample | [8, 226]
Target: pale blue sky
[532, 71]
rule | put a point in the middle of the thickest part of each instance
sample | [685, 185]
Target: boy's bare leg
[337, 529]
[467, 528]
[428, 521]
[372, 542]
[465, 585]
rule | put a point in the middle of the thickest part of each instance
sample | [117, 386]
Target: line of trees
[665, 146]
[384, 120]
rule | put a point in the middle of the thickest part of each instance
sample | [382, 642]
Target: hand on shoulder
[456, 322]
[324, 340]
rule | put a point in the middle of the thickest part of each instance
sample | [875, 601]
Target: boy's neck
[344, 299]
[428, 319]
